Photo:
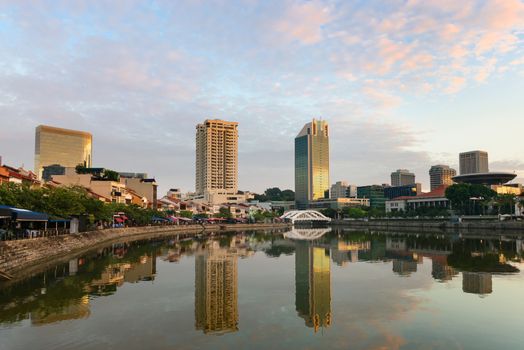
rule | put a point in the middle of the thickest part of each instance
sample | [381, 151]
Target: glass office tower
[57, 146]
[311, 163]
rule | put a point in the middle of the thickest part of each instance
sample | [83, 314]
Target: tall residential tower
[64, 147]
[217, 157]
[311, 163]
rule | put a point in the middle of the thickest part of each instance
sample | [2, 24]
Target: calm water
[261, 290]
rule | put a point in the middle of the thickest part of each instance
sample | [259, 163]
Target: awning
[120, 220]
[59, 221]
[18, 214]
[124, 217]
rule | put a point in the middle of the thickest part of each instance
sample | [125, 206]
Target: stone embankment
[434, 225]
[23, 257]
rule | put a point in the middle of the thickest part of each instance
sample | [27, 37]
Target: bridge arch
[304, 216]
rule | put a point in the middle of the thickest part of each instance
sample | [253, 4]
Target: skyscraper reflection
[313, 284]
[216, 290]
[477, 283]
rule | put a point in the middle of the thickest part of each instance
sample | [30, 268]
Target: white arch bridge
[299, 216]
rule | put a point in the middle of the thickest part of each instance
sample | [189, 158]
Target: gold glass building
[216, 291]
[313, 285]
[217, 156]
[65, 147]
[311, 163]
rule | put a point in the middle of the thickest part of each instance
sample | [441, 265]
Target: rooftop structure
[487, 179]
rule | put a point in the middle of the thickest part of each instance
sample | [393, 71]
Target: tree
[355, 213]
[111, 175]
[186, 214]
[224, 213]
[329, 212]
[275, 194]
[466, 198]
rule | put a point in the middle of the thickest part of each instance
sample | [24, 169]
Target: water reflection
[216, 289]
[67, 291]
[313, 284]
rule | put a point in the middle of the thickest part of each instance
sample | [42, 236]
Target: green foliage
[275, 194]
[224, 213]
[329, 212]
[469, 199]
[64, 202]
[355, 213]
[99, 173]
[376, 213]
[186, 214]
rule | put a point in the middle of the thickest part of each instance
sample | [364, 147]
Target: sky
[402, 84]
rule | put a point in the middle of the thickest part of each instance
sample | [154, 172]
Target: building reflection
[343, 252]
[477, 283]
[313, 284]
[77, 309]
[115, 275]
[216, 289]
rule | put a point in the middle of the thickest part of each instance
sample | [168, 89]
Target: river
[306, 288]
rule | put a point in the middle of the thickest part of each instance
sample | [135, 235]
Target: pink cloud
[303, 22]
[455, 85]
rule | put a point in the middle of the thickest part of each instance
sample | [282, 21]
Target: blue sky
[403, 84]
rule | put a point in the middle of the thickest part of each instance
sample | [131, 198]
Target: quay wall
[23, 257]
[434, 225]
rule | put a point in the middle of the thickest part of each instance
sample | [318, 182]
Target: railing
[16, 234]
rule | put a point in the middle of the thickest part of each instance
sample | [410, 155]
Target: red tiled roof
[439, 192]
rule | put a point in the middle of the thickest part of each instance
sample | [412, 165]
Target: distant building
[338, 203]
[68, 148]
[4, 173]
[402, 177]
[375, 194]
[399, 191]
[311, 163]
[131, 175]
[217, 156]
[434, 199]
[144, 187]
[473, 162]
[441, 175]
[113, 191]
[515, 189]
[174, 193]
[341, 189]
[282, 205]
[50, 170]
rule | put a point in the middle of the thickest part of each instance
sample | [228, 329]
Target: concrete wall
[443, 225]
